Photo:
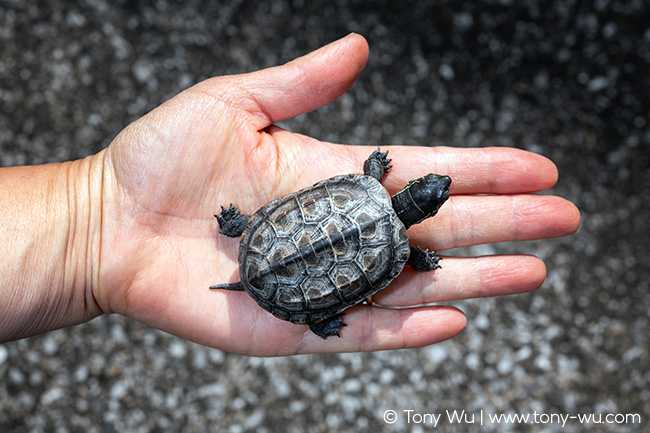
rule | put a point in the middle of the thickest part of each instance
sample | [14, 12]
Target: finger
[473, 171]
[311, 81]
[297, 87]
[241, 326]
[374, 328]
[465, 278]
[474, 220]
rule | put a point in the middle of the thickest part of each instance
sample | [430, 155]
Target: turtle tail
[236, 287]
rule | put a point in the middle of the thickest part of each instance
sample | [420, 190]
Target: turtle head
[421, 198]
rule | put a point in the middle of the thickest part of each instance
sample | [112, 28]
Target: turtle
[308, 256]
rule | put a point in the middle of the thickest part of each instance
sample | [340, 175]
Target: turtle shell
[311, 254]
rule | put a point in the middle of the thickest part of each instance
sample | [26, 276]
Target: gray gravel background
[567, 79]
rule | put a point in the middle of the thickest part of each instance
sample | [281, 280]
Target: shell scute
[312, 206]
[286, 219]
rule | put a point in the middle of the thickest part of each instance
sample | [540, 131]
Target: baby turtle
[309, 255]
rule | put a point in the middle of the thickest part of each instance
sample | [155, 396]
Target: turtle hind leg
[231, 221]
[328, 327]
[377, 165]
[423, 260]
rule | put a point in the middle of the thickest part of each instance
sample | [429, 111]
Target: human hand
[166, 174]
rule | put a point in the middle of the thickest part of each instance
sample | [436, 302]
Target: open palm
[215, 144]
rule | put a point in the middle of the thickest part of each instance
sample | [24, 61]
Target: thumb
[302, 85]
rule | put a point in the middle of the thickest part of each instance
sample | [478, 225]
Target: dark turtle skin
[309, 255]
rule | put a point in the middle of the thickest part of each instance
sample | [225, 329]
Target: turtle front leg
[423, 260]
[377, 165]
[232, 222]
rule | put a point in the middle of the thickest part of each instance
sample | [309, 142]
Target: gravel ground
[566, 79]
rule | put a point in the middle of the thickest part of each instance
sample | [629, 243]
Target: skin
[130, 230]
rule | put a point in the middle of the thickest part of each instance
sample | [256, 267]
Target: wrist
[82, 210]
[49, 252]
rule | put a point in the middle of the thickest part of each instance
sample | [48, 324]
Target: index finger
[490, 170]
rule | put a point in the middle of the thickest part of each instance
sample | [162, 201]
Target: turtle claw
[423, 260]
[231, 221]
